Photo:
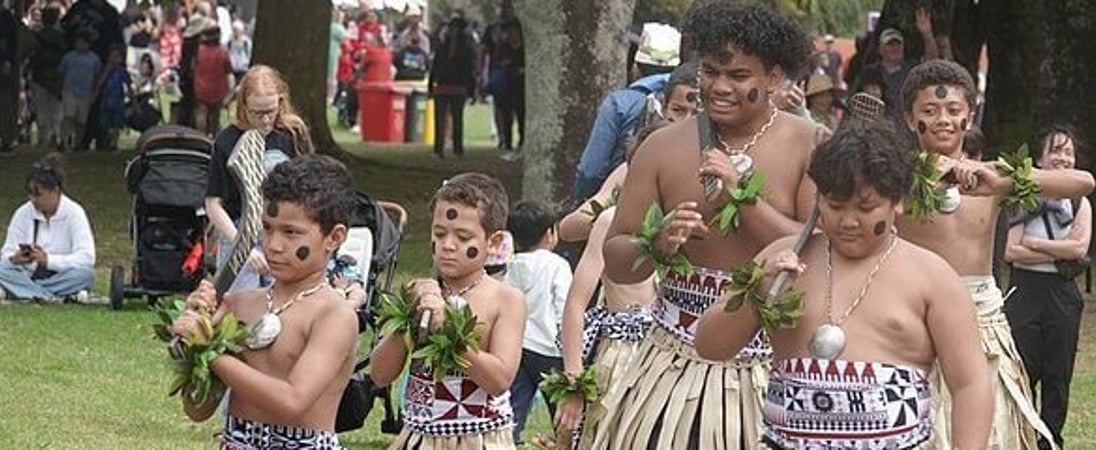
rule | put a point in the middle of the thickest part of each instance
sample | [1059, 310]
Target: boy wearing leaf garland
[670, 397]
[286, 385]
[960, 226]
[853, 370]
[460, 375]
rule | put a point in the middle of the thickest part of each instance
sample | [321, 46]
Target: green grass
[87, 377]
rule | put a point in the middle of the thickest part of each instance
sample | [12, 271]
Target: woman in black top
[263, 104]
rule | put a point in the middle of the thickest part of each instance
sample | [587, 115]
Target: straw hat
[818, 84]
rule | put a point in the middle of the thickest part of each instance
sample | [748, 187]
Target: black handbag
[356, 402]
[1067, 268]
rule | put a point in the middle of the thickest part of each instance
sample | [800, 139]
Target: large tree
[575, 53]
[293, 38]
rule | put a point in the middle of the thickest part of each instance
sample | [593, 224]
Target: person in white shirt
[544, 277]
[49, 250]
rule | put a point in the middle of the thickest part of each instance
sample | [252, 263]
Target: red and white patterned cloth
[454, 406]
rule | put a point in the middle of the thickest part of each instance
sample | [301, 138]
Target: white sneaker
[510, 156]
[82, 297]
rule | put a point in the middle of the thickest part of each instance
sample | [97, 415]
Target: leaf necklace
[263, 333]
[828, 341]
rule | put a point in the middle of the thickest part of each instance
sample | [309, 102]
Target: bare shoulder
[335, 311]
[667, 141]
[921, 262]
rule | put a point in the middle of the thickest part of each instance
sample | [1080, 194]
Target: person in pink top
[212, 69]
[171, 39]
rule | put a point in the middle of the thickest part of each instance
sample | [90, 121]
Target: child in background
[114, 87]
[544, 277]
[79, 69]
[498, 260]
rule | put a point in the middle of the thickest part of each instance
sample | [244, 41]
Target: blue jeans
[17, 282]
[526, 384]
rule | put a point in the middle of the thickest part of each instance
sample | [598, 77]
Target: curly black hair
[319, 184]
[863, 152]
[755, 29]
[938, 72]
[48, 174]
[529, 221]
[479, 191]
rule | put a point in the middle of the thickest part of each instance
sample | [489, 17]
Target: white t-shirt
[544, 277]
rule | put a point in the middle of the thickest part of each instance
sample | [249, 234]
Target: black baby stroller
[373, 242]
[168, 225]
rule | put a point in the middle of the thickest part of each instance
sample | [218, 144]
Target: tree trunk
[294, 40]
[1017, 46]
[576, 50]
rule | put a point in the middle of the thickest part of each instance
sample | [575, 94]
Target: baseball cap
[659, 45]
[891, 34]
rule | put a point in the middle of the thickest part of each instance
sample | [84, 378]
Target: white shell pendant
[743, 163]
[951, 201]
[264, 332]
[828, 342]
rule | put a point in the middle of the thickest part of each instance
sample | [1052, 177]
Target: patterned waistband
[818, 404]
[628, 325]
[243, 434]
[454, 406]
[682, 300]
[985, 294]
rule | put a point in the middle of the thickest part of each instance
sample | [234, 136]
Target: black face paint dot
[941, 92]
[963, 124]
[922, 127]
[451, 214]
[272, 210]
[880, 228]
[303, 252]
[472, 252]
[753, 95]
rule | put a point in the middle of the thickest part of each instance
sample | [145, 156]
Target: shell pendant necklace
[456, 298]
[265, 331]
[828, 341]
[740, 158]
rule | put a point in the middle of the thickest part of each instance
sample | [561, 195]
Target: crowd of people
[660, 332]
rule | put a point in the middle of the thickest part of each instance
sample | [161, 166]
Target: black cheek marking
[303, 253]
[880, 228]
[922, 127]
[941, 92]
[472, 252]
[272, 209]
[753, 95]
[963, 125]
[451, 214]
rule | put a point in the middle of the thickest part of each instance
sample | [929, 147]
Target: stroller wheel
[117, 287]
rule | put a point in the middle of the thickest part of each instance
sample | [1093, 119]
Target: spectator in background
[49, 250]
[820, 101]
[46, 51]
[239, 50]
[412, 61]
[893, 63]
[79, 69]
[832, 59]
[334, 45]
[141, 33]
[9, 80]
[102, 18]
[376, 62]
[212, 69]
[171, 38]
[371, 23]
[452, 81]
[544, 278]
[414, 28]
[114, 85]
[1045, 311]
[500, 47]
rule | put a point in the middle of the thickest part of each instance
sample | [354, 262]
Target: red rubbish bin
[381, 111]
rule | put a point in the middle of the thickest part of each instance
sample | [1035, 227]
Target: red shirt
[212, 66]
[345, 72]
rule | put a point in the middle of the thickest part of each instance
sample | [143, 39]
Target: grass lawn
[88, 377]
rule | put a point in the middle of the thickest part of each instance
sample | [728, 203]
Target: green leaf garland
[746, 192]
[1025, 192]
[558, 385]
[925, 196]
[654, 222]
[783, 312]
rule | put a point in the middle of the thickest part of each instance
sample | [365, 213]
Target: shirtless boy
[939, 96]
[287, 392]
[893, 302]
[670, 397]
[469, 216]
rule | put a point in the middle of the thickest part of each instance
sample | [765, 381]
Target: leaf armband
[654, 222]
[925, 196]
[746, 192]
[443, 350]
[558, 385]
[783, 312]
[1025, 192]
